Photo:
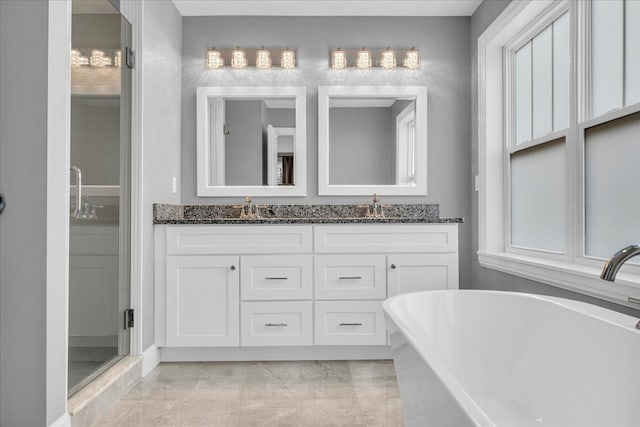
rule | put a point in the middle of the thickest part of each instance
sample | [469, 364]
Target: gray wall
[243, 144]
[444, 44]
[95, 140]
[361, 147]
[161, 62]
[32, 370]
[484, 278]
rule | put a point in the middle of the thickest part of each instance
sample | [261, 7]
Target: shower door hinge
[130, 57]
[128, 318]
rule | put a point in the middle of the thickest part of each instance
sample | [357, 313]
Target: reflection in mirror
[380, 133]
[257, 139]
[372, 139]
[251, 140]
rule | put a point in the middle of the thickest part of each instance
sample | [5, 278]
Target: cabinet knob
[393, 266]
[233, 267]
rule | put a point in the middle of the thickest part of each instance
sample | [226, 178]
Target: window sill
[574, 277]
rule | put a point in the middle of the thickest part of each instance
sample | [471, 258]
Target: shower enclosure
[100, 238]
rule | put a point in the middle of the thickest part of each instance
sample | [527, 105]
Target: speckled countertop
[299, 214]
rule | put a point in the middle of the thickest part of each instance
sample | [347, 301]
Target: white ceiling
[327, 7]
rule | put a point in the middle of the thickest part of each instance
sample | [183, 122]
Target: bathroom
[487, 218]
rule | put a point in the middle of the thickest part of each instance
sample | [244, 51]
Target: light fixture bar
[371, 58]
[243, 58]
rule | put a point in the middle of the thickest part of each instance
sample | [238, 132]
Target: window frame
[535, 28]
[573, 270]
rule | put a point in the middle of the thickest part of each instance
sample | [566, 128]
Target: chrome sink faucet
[612, 266]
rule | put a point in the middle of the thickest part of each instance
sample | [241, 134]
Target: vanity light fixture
[263, 59]
[238, 58]
[288, 59]
[99, 58]
[388, 58]
[412, 59]
[363, 60]
[339, 59]
[214, 59]
[117, 59]
[78, 59]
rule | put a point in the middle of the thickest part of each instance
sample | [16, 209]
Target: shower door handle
[78, 172]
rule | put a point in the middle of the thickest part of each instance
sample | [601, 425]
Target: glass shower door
[99, 248]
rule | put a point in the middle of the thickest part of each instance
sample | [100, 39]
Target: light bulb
[363, 60]
[99, 58]
[238, 58]
[263, 59]
[288, 59]
[214, 59]
[339, 59]
[78, 59]
[388, 58]
[412, 59]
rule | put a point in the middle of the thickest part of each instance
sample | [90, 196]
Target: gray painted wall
[444, 44]
[484, 278]
[361, 146]
[162, 67]
[95, 141]
[23, 179]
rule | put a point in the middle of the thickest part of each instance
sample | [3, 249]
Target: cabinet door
[422, 272]
[203, 294]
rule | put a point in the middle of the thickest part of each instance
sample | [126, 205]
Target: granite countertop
[299, 214]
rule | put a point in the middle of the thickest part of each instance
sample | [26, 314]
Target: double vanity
[304, 281]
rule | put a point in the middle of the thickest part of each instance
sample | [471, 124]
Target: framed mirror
[251, 141]
[372, 139]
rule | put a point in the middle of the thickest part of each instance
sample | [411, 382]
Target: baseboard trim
[242, 354]
[63, 421]
[150, 359]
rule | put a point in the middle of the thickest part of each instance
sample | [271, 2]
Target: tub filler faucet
[614, 263]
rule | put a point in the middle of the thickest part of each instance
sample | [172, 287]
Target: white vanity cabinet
[311, 288]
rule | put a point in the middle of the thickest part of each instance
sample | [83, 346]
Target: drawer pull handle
[633, 300]
[350, 277]
[351, 324]
[276, 278]
[233, 267]
[393, 266]
[275, 324]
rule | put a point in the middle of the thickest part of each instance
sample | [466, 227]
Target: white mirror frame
[327, 92]
[203, 153]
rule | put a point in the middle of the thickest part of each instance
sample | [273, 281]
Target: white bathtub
[484, 358]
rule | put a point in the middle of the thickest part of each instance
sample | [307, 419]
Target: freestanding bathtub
[485, 358]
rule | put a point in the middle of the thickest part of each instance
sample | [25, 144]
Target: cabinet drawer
[386, 238]
[350, 323]
[276, 323]
[238, 239]
[276, 277]
[350, 277]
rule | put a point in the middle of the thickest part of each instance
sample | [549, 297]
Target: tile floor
[248, 394]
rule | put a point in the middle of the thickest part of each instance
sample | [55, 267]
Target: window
[559, 142]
